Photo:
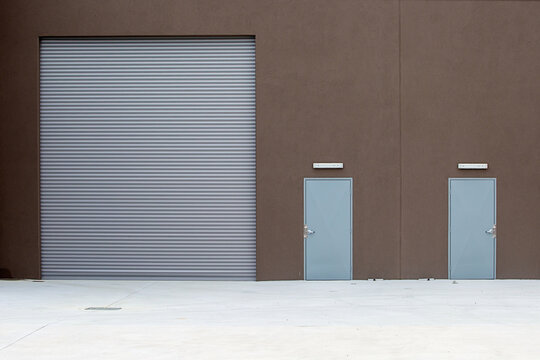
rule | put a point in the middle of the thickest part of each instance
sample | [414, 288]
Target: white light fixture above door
[472, 166]
[328, 165]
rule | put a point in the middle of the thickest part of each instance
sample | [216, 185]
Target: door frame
[350, 180]
[450, 221]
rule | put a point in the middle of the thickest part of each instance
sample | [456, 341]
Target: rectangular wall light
[328, 165]
[470, 166]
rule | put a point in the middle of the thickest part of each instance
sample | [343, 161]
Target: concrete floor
[270, 320]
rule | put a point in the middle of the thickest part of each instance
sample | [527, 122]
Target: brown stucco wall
[398, 91]
[470, 92]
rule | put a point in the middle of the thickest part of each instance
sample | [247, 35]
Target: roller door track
[148, 158]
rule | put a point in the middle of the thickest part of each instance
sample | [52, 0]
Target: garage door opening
[147, 158]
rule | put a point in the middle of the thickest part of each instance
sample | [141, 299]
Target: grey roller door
[148, 158]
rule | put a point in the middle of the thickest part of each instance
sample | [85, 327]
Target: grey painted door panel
[472, 212]
[147, 150]
[328, 212]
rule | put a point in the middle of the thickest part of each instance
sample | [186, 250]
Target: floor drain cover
[102, 308]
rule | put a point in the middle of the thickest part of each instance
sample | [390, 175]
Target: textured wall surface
[398, 91]
[470, 92]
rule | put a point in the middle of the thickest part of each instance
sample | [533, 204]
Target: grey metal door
[328, 228]
[148, 157]
[472, 217]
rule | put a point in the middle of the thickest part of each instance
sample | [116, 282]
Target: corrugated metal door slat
[147, 154]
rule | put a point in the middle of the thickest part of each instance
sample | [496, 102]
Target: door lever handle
[492, 231]
[307, 231]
